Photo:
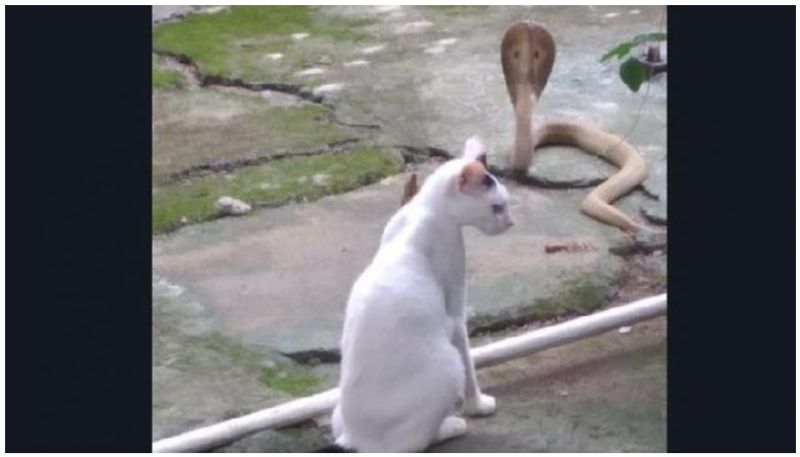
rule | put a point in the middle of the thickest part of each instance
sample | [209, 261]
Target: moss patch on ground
[200, 127]
[238, 42]
[278, 182]
[207, 347]
[165, 78]
[289, 379]
[579, 295]
[286, 377]
[192, 361]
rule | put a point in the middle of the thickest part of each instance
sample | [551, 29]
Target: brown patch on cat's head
[410, 189]
[472, 173]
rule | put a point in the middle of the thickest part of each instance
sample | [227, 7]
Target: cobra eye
[498, 208]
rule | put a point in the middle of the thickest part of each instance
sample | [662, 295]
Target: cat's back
[399, 285]
[397, 275]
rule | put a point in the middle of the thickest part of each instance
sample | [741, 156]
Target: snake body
[527, 56]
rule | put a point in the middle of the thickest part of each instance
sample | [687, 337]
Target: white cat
[406, 367]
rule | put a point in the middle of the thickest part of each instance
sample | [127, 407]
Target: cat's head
[480, 199]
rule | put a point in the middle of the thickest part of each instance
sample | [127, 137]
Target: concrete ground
[604, 394]
[316, 117]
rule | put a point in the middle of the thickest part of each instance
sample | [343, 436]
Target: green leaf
[644, 38]
[633, 73]
[620, 51]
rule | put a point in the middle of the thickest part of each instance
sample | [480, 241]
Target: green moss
[199, 127]
[581, 295]
[288, 379]
[164, 79]
[575, 296]
[215, 348]
[303, 122]
[278, 182]
[235, 42]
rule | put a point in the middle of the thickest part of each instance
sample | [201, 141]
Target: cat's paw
[451, 427]
[484, 406]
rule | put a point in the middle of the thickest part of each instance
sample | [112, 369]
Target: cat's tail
[334, 448]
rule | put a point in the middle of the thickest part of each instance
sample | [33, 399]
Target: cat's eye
[488, 181]
[497, 209]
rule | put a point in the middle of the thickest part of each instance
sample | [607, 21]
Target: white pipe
[221, 433]
[567, 332]
[491, 354]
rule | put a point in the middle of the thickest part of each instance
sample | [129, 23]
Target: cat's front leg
[475, 402]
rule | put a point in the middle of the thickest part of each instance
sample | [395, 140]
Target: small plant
[632, 70]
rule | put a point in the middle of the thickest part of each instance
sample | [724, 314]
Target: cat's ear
[475, 149]
[410, 190]
[471, 176]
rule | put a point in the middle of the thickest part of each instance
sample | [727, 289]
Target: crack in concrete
[419, 154]
[412, 154]
[416, 154]
[637, 247]
[620, 288]
[632, 278]
[641, 243]
[199, 79]
[358, 126]
[545, 183]
[333, 118]
[218, 80]
[502, 323]
[334, 147]
[314, 357]
[538, 181]
[652, 217]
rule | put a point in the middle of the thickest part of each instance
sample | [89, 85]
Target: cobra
[527, 54]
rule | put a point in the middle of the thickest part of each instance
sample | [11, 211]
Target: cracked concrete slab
[230, 295]
[437, 99]
[296, 177]
[281, 276]
[201, 377]
[603, 394]
[194, 366]
[197, 127]
[459, 91]
[242, 42]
